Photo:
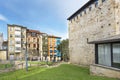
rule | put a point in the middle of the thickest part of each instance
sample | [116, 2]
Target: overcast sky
[49, 16]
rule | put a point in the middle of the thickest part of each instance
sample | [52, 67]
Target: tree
[63, 48]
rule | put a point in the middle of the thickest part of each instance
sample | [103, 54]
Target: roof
[14, 25]
[43, 33]
[82, 8]
[35, 31]
[52, 36]
[111, 39]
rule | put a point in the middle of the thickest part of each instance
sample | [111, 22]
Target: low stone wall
[7, 70]
[104, 71]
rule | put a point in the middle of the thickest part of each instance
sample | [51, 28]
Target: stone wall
[98, 23]
[105, 71]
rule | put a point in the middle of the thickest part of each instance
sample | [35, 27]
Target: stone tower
[96, 19]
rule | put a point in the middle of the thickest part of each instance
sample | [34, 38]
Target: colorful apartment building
[38, 44]
[34, 42]
[16, 41]
[53, 53]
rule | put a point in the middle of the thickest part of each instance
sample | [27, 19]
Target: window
[77, 17]
[11, 35]
[74, 18]
[109, 24]
[55, 51]
[11, 42]
[58, 41]
[84, 11]
[34, 45]
[96, 3]
[11, 29]
[18, 48]
[80, 14]
[38, 45]
[22, 36]
[11, 48]
[103, 0]
[33, 34]
[18, 36]
[18, 42]
[37, 40]
[28, 39]
[51, 51]
[116, 55]
[104, 54]
[17, 29]
[90, 8]
[29, 45]
[23, 30]
[101, 26]
[34, 39]
[108, 55]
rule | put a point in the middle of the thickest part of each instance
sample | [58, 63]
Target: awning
[111, 39]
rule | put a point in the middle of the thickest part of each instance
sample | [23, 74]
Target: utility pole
[26, 56]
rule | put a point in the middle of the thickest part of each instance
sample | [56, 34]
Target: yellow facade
[3, 55]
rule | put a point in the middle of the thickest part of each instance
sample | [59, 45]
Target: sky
[48, 16]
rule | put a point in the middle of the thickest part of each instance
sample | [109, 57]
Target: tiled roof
[52, 36]
[14, 25]
[35, 31]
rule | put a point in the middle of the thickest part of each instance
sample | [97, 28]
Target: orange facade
[51, 45]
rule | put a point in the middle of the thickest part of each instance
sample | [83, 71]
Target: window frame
[111, 48]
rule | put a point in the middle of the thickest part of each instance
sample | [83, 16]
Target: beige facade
[3, 55]
[16, 41]
[34, 42]
[95, 21]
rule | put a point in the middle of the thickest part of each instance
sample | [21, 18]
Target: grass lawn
[63, 72]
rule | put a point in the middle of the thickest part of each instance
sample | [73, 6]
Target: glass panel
[116, 55]
[107, 55]
[101, 54]
[104, 54]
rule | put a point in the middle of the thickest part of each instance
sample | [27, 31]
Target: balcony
[17, 49]
[17, 36]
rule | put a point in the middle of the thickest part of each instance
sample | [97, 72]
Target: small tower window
[109, 24]
[96, 3]
[80, 14]
[84, 11]
[101, 26]
[90, 8]
[103, 0]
